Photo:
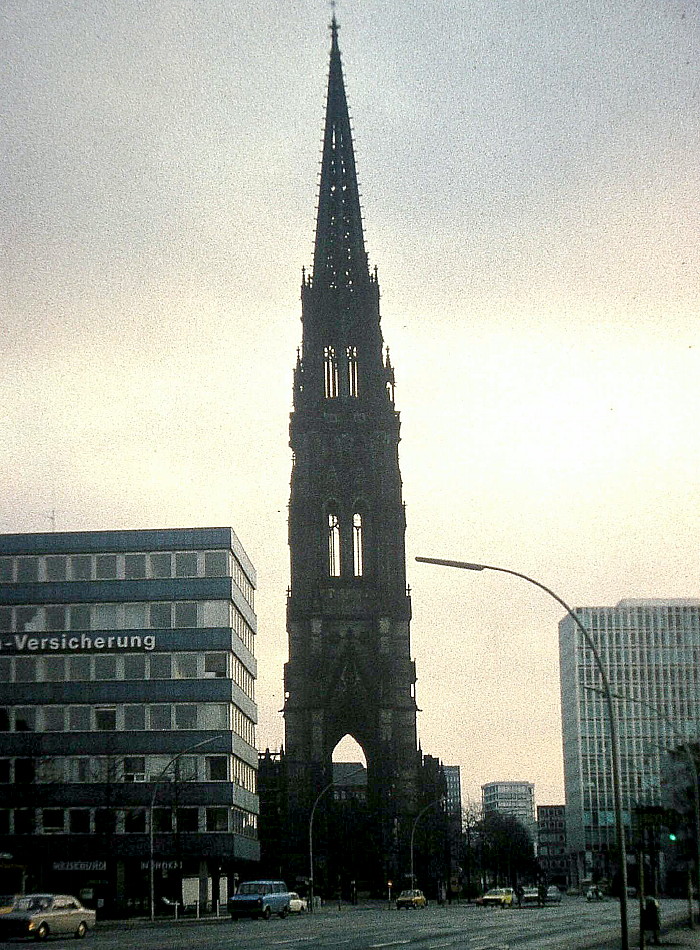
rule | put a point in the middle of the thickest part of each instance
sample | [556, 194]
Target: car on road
[297, 905]
[44, 915]
[499, 897]
[553, 895]
[530, 895]
[260, 899]
[411, 899]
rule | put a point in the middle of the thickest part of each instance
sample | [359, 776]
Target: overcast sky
[530, 183]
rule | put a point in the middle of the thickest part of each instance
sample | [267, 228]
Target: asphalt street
[572, 925]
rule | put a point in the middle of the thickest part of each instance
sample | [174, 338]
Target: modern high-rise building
[453, 783]
[516, 799]
[350, 670]
[651, 652]
[128, 714]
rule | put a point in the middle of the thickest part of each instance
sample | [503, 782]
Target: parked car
[297, 905]
[499, 897]
[41, 915]
[553, 895]
[7, 902]
[411, 899]
[594, 893]
[260, 899]
[530, 895]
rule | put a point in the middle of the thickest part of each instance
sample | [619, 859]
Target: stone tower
[348, 611]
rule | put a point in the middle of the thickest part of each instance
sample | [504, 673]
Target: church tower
[348, 611]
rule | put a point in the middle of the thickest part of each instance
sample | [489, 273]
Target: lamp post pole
[612, 722]
[311, 833]
[413, 833]
[162, 772]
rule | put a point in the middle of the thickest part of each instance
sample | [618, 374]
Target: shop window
[79, 821]
[188, 819]
[135, 821]
[53, 820]
[163, 819]
[105, 821]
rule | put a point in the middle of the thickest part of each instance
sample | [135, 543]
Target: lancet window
[357, 545]
[351, 354]
[333, 546]
[330, 372]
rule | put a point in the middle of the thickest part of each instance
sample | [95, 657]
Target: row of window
[107, 821]
[130, 666]
[109, 769]
[132, 616]
[107, 567]
[158, 717]
[334, 384]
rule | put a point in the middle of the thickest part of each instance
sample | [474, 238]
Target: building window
[160, 565]
[56, 618]
[105, 821]
[105, 719]
[163, 819]
[357, 544]
[134, 667]
[333, 546]
[105, 667]
[27, 568]
[25, 669]
[185, 716]
[351, 353]
[161, 615]
[56, 568]
[161, 666]
[186, 615]
[186, 564]
[216, 564]
[81, 567]
[134, 718]
[217, 819]
[330, 372]
[6, 570]
[25, 771]
[106, 567]
[80, 617]
[79, 667]
[25, 821]
[134, 566]
[79, 718]
[161, 717]
[54, 719]
[185, 666]
[217, 768]
[215, 665]
[25, 719]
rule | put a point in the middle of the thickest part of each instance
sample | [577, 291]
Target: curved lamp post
[191, 748]
[612, 722]
[413, 832]
[320, 795]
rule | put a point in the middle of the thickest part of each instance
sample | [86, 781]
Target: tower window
[333, 546]
[330, 372]
[351, 353]
[357, 544]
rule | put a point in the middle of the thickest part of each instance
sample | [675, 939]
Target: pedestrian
[651, 918]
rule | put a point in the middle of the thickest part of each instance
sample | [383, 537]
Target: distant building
[128, 676]
[650, 649]
[454, 790]
[551, 844]
[511, 798]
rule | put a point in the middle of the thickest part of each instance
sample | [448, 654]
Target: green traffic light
[672, 837]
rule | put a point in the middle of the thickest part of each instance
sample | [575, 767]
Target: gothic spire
[340, 260]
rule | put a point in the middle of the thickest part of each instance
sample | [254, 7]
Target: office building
[516, 799]
[651, 652]
[551, 844]
[128, 717]
[453, 784]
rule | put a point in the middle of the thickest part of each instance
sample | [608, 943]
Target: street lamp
[191, 748]
[612, 722]
[413, 832]
[311, 833]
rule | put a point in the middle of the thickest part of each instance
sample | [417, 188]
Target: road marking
[394, 943]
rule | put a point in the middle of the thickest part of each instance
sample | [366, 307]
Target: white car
[297, 905]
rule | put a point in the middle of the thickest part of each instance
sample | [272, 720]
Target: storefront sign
[23, 643]
[79, 866]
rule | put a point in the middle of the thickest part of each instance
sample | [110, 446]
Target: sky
[529, 173]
